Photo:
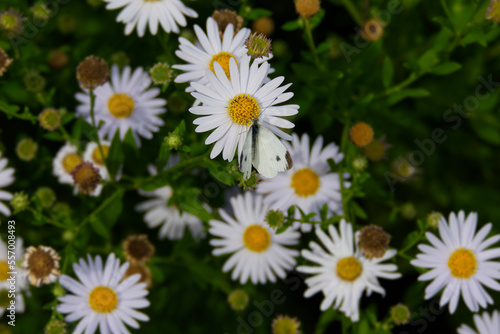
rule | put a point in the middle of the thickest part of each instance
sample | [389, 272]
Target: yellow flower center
[349, 268]
[305, 182]
[256, 238]
[121, 105]
[103, 299]
[462, 263]
[223, 59]
[4, 269]
[97, 156]
[285, 325]
[70, 161]
[243, 108]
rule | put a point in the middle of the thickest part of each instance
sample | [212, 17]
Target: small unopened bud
[284, 324]
[120, 58]
[250, 183]
[173, 140]
[34, 81]
[493, 11]
[161, 74]
[400, 314]
[258, 45]
[408, 211]
[92, 72]
[26, 149]
[55, 326]
[20, 202]
[49, 119]
[275, 218]
[40, 11]
[58, 59]
[433, 219]
[47, 196]
[11, 21]
[238, 300]
[360, 163]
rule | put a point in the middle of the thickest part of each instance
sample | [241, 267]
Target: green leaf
[98, 226]
[55, 136]
[476, 35]
[163, 155]
[358, 211]
[115, 156]
[256, 13]
[387, 72]
[446, 68]
[403, 94]
[410, 239]
[12, 111]
[291, 25]
[220, 173]
[428, 60]
[110, 209]
[316, 19]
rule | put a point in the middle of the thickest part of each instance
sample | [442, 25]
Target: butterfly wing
[247, 154]
[270, 155]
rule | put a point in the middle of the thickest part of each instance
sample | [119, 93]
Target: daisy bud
[408, 211]
[42, 264]
[34, 81]
[20, 202]
[66, 23]
[400, 314]
[55, 326]
[161, 74]
[137, 248]
[5, 62]
[86, 177]
[40, 11]
[92, 72]
[250, 183]
[120, 58]
[433, 219]
[49, 119]
[359, 163]
[373, 241]
[223, 17]
[141, 269]
[173, 140]
[361, 134]
[280, 48]
[26, 149]
[58, 59]
[283, 324]
[47, 196]
[372, 30]
[493, 11]
[404, 169]
[11, 21]
[238, 300]
[307, 8]
[375, 151]
[67, 235]
[258, 45]
[334, 49]
[275, 218]
[58, 291]
[263, 25]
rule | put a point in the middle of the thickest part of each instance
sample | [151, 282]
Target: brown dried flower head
[139, 268]
[372, 30]
[86, 177]
[42, 263]
[137, 248]
[223, 17]
[92, 72]
[373, 241]
[5, 62]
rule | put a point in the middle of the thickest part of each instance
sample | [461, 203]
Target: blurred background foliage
[428, 59]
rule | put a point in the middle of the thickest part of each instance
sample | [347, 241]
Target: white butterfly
[265, 152]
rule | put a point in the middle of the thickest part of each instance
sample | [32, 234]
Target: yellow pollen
[305, 182]
[4, 269]
[103, 299]
[256, 238]
[243, 109]
[97, 157]
[349, 268]
[121, 105]
[70, 161]
[223, 59]
[462, 263]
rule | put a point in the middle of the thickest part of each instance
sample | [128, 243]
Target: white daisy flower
[141, 13]
[6, 179]
[65, 162]
[229, 107]
[173, 222]
[344, 273]
[125, 103]
[93, 155]
[309, 184]
[101, 298]
[460, 262]
[20, 276]
[258, 253]
[209, 50]
[485, 324]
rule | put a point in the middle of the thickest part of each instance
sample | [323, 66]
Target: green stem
[66, 135]
[343, 144]
[389, 91]
[47, 219]
[355, 14]
[310, 40]
[92, 117]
